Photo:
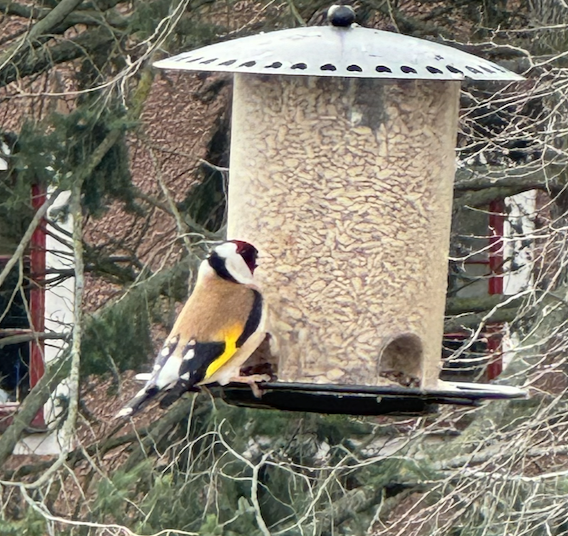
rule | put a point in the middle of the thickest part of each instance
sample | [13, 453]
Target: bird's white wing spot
[185, 376]
[169, 346]
[189, 350]
[143, 376]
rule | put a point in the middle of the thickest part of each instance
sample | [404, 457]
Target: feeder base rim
[361, 399]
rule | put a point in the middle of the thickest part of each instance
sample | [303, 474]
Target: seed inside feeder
[345, 186]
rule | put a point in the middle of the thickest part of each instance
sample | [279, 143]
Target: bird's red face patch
[248, 252]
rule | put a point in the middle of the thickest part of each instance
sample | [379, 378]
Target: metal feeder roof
[350, 51]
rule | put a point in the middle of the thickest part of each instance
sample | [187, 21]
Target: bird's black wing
[253, 319]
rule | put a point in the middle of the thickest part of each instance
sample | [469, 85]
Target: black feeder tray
[362, 399]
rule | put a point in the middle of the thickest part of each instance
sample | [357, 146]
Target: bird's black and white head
[233, 261]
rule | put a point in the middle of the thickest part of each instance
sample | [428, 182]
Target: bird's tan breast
[213, 311]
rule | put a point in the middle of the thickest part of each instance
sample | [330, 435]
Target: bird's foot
[252, 381]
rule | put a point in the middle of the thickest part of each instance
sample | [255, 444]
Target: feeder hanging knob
[342, 16]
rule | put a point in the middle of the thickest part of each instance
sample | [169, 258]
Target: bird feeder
[341, 174]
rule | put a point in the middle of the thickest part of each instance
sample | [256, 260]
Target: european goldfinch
[219, 327]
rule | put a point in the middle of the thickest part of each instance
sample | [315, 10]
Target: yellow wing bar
[230, 338]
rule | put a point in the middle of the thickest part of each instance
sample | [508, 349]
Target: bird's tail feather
[176, 392]
[141, 399]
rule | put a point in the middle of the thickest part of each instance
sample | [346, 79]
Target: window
[14, 322]
[476, 271]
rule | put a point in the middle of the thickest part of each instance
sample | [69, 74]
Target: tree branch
[456, 306]
[478, 186]
[473, 320]
[481, 198]
[44, 26]
[73, 378]
[32, 404]
[32, 336]
[46, 57]
[52, 19]
[358, 500]
[529, 176]
[85, 17]
[38, 216]
[161, 427]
